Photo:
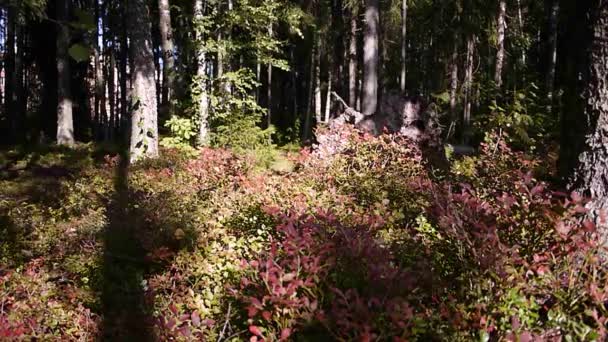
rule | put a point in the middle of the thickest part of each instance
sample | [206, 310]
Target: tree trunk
[111, 92]
[591, 175]
[65, 123]
[269, 89]
[550, 80]
[403, 44]
[166, 40]
[201, 76]
[9, 80]
[124, 90]
[468, 88]
[317, 103]
[500, 42]
[311, 80]
[454, 78]
[352, 61]
[144, 127]
[329, 90]
[370, 58]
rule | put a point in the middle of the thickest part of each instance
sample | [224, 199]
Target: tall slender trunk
[468, 87]
[454, 78]
[201, 76]
[500, 40]
[552, 62]
[166, 42]
[352, 61]
[520, 20]
[269, 89]
[9, 80]
[123, 62]
[329, 89]
[65, 123]
[111, 92]
[309, 98]
[258, 75]
[370, 58]
[403, 44]
[144, 116]
[317, 103]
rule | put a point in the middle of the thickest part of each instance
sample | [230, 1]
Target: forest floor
[364, 240]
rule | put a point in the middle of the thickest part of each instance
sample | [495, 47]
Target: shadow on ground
[125, 307]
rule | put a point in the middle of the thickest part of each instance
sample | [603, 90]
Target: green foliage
[182, 134]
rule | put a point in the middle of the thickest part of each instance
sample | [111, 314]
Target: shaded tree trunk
[369, 103]
[500, 40]
[353, 59]
[454, 79]
[9, 80]
[590, 177]
[65, 122]
[144, 127]
[552, 55]
[166, 40]
[468, 88]
[269, 89]
[403, 44]
[317, 101]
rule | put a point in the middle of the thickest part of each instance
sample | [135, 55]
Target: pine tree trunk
[9, 80]
[65, 124]
[591, 175]
[144, 127]
[550, 80]
[468, 88]
[454, 78]
[369, 101]
[309, 99]
[201, 76]
[166, 40]
[269, 89]
[111, 92]
[352, 61]
[403, 44]
[124, 90]
[317, 103]
[500, 40]
[329, 90]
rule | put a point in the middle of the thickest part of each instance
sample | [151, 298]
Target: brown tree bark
[65, 123]
[501, 26]
[369, 103]
[552, 55]
[591, 175]
[353, 59]
[468, 87]
[144, 126]
[166, 40]
[9, 80]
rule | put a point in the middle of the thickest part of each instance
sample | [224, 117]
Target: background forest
[204, 170]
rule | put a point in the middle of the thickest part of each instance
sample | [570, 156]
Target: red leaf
[255, 330]
[285, 333]
[173, 309]
[196, 319]
[267, 315]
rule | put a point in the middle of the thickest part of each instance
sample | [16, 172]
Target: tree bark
[370, 58]
[329, 90]
[144, 127]
[166, 40]
[65, 123]
[9, 80]
[591, 175]
[454, 78]
[352, 61]
[468, 87]
[201, 76]
[403, 44]
[552, 56]
[500, 42]
[317, 101]
[269, 89]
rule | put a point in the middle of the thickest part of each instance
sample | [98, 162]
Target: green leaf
[79, 52]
